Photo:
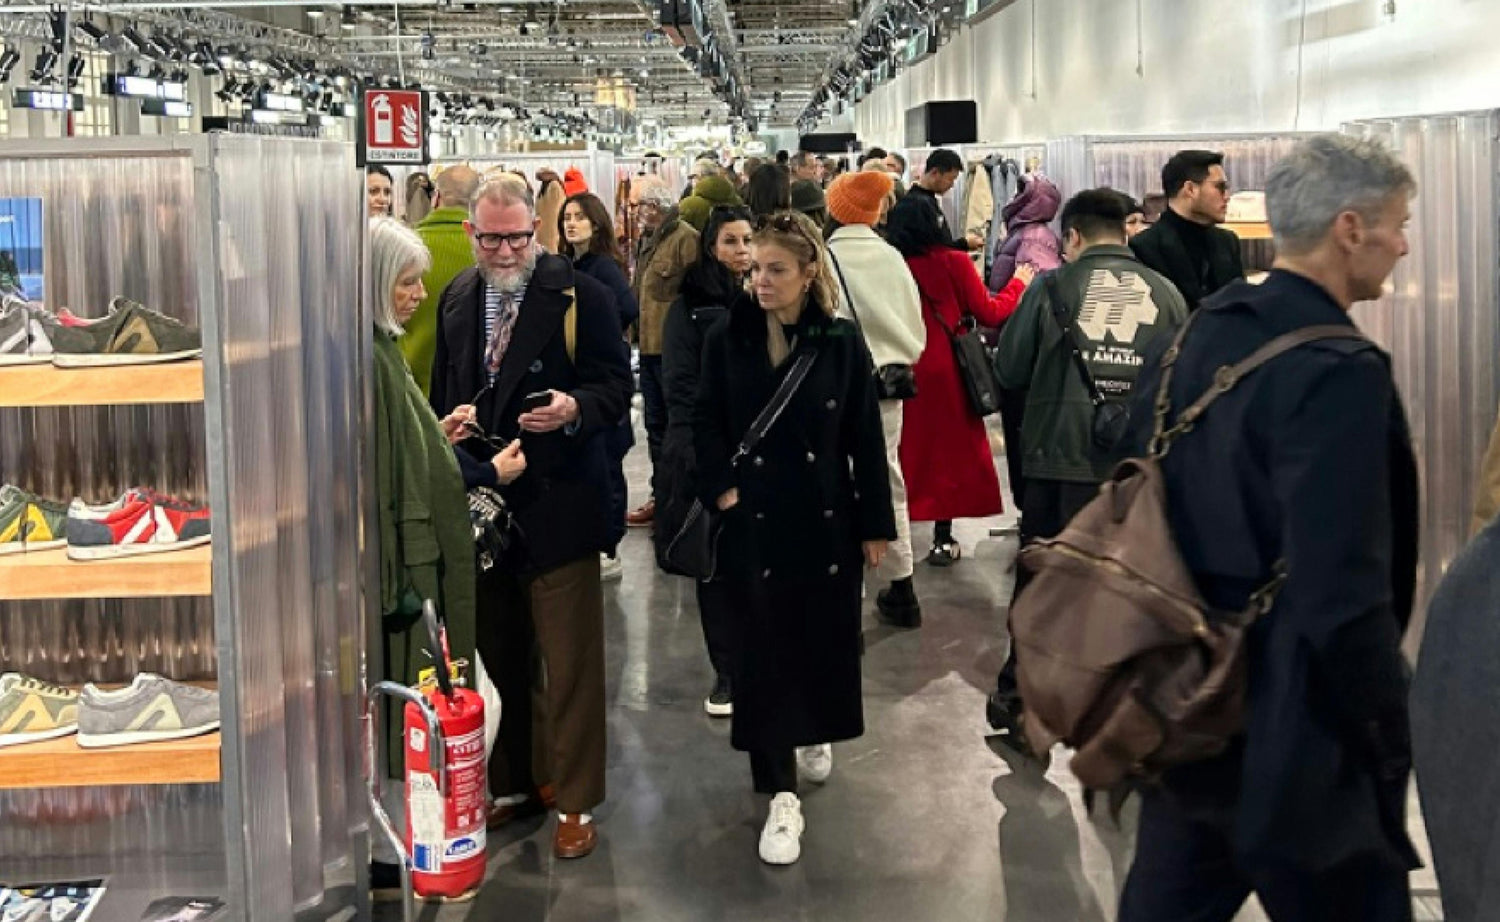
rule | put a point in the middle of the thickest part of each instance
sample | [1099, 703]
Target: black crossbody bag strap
[774, 407]
[1069, 326]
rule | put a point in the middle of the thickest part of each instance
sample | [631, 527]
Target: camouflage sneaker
[15, 334]
[130, 334]
[32, 710]
[30, 523]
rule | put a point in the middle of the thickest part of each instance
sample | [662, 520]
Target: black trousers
[655, 409]
[774, 772]
[715, 610]
[618, 442]
[1046, 508]
[1185, 871]
[1012, 409]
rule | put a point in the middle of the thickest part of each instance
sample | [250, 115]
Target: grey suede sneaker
[130, 334]
[151, 709]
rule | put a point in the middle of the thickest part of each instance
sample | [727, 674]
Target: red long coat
[945, 452]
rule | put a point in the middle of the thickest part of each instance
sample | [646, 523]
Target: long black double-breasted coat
[809, 494]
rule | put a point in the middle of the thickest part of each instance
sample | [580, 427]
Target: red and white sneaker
[140, 522]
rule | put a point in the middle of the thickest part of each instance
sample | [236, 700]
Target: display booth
[257, 241]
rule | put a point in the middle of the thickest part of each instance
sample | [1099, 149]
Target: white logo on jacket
[1118, 305]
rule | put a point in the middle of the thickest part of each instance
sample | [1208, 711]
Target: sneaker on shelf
[25, 332]
[150, 709]
[720, 701]
[815, 763]
[32, 710]
[781, 838]
[30, 523]
[140, 522]
[130, 334]
[610, 569]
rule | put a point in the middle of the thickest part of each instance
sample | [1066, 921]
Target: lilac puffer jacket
[1029, 240]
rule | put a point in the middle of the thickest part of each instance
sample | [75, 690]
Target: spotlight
[347, 20]
[90, 29]
[76, 66]
[41, 71]
[8, 61]
[135, 40]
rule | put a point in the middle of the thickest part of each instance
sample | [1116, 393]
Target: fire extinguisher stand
[374, 773]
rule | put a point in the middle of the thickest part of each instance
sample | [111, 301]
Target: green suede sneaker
[131, 334]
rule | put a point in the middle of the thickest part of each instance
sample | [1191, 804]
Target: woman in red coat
[945, 451]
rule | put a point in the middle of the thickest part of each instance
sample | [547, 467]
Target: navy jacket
[1308, 459]
[608, 273]
[560, 501]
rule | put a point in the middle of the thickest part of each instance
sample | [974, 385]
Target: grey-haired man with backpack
[1303, 466]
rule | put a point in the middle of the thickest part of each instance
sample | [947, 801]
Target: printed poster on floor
[184, 909]
[21, 244]
[65, 901]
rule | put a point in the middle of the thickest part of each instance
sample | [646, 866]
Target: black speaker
[934, 123]
[827, 143]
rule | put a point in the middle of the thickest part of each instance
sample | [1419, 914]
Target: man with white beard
[528, 350]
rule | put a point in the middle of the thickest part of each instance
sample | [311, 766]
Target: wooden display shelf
[62, 763]
[1244, 231]
[46, 386]
[51, 575]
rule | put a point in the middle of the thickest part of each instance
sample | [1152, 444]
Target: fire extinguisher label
[426, 806]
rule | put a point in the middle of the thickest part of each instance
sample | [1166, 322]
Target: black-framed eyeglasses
[1222, 185]
[516, 241]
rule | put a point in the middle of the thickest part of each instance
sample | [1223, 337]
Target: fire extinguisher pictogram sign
[392, 127]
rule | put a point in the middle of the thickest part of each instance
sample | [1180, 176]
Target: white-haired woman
[426, 547]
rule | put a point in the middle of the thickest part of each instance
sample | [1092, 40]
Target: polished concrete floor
[923, 820]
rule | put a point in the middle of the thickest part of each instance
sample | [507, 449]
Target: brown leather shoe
[574, 839]
[642, 515]
[538, 803]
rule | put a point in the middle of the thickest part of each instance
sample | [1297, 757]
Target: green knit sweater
[426, 546]
[443, 232]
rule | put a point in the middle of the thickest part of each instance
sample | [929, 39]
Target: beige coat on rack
[979, 208]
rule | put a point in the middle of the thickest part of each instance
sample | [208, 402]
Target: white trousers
[898, 558]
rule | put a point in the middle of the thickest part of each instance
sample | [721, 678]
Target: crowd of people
[836, 304]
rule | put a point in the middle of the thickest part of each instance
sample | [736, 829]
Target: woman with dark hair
[801, 513]
[769, 190]
[587, 235]
[379, 191]
[708, 288]
[945, 451]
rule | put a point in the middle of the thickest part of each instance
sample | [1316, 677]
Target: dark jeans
[774, 772]
[655, 409]
[716, 611]
[1012, 409]
[1046, 509]
[617, 444]
[1185, 871]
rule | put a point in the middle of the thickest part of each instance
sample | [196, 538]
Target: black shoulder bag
[694, 550]
[1111, 418]
[894, 381]
[973, 360]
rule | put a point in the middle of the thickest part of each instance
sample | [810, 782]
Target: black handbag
[497, 534]
[694, 550]
[1111, 417]
[894, 381]
[975, 369]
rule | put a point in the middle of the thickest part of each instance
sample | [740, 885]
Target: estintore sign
[393, 127]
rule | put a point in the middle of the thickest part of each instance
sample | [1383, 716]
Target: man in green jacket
[443, 232]
[1113, 308]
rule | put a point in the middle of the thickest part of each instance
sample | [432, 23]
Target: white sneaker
[781, 839]
[610, 568]
[815, 763]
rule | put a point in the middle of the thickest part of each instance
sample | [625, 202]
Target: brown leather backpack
[1118, 655]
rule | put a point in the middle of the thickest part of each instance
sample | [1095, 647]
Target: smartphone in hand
[533, 402]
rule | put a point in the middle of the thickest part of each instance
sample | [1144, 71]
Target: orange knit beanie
[856, 198]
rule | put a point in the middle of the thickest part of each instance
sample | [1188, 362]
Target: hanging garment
[979, 209]
[1004, 174]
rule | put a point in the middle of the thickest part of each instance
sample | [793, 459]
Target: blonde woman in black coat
[801, 514]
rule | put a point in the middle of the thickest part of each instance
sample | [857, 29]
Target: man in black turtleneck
[1184, 245]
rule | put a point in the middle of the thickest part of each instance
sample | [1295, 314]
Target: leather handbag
[1111, 417]
[694, 550]
[975, 368]
[894, 381]
[497, 534]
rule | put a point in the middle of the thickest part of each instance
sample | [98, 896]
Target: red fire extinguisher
[446, 812]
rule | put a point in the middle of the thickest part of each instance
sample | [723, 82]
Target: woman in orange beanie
[574, 183]
[861, 198]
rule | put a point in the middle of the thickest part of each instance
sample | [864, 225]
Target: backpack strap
[1226, 377]
[1062, 312]
[570, 325]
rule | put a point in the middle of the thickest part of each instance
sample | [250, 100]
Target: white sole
[106, 740]
[94, 360]
[15, 548]
[21, 739]
[718, 710]
[113, 551]
[43, 359]
[781, 861]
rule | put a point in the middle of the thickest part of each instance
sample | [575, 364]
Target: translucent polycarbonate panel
[597, 167]
[1439, 320]
[288, 239]
[1134, 165]
[118, 221]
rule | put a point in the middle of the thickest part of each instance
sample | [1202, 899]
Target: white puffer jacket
[884, 293]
